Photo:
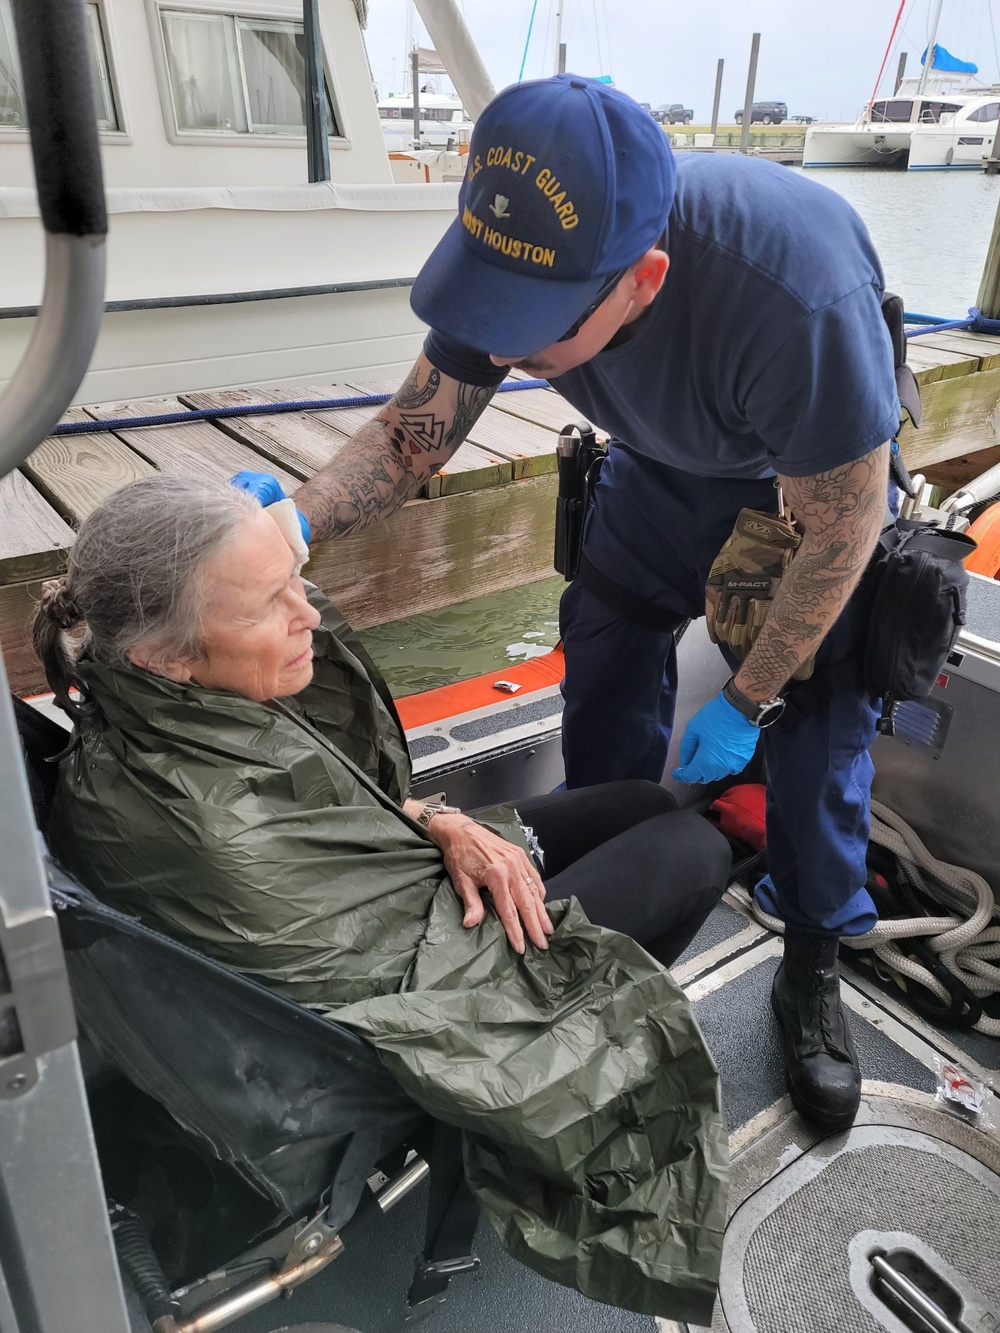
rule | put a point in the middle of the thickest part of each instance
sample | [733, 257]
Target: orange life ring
[985, 559]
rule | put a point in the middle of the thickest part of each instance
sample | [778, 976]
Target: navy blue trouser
[655, 531]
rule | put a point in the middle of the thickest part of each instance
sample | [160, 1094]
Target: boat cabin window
[991, 111]
[892, 110]
[898, 110]
[931, 112]
[234, 75]
[442, 113]
[12, 113]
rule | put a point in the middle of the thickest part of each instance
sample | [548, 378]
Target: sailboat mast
[409, 44]
[558, 60]
[931, 42]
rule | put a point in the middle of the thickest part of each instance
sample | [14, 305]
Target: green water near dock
[931, 229]
[468, 639]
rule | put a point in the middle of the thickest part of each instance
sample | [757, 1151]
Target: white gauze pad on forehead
[284, 514]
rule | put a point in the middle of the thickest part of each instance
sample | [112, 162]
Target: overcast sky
[819, 58]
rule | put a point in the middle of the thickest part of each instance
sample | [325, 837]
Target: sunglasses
[597, 302]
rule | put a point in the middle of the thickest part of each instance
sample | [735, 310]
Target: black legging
[635, 863]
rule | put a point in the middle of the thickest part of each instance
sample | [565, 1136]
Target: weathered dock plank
[33, 538]
[76, 472]
[195, 448]
[531, 448]
[930, 364]
[985, 349]
[960, 417]
[299, 441]
[346, 419]
[434, 553]
[17, 607]
[544, 407]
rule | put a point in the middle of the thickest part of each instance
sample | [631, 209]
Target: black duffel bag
[918, 588]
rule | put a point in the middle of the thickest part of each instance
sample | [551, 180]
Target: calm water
[931, 230]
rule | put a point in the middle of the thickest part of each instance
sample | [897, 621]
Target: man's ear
[149, 657]
[649, 273]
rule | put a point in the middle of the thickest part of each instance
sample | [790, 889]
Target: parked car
[673, 113]
[767, 113]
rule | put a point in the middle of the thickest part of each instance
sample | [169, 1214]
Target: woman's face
[257, 629]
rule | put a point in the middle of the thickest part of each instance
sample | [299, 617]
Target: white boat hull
[856, 145]
[949, 150]
[178, 258]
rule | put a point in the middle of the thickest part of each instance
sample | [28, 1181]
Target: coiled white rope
[967, 940]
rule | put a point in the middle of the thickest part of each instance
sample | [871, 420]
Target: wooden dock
[485, 524]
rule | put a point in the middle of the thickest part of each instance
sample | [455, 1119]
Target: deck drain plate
[796, 1257]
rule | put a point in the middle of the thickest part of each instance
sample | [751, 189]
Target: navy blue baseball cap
[568, 182]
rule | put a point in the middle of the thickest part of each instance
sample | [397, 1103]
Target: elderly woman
[240, 779]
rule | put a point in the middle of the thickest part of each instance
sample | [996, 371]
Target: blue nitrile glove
[267, 489]
[717, 741]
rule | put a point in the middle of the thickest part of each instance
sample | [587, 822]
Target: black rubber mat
[723, 924]
[743, 1036]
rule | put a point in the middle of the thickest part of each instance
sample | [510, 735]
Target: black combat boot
[821, 1064]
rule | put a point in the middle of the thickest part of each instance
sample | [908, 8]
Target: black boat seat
[300, 1107]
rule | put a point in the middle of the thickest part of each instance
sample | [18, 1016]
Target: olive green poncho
[271, 837]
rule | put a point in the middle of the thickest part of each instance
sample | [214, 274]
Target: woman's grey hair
[133, 576]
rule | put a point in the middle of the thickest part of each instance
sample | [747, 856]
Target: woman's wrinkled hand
[476, 858]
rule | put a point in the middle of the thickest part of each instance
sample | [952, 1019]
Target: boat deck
[727, 974]
[485, 523]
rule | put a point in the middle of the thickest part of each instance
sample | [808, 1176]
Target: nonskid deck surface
[727, 974]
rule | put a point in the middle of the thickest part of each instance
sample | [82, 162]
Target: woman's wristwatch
[436, 805]
[760, 714]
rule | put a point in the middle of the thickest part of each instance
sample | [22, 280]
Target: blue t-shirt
[764, 352]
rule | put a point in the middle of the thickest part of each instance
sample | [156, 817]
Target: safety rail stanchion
[57, 1266]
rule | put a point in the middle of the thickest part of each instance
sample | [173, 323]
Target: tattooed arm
[394, 454]
[842, 512]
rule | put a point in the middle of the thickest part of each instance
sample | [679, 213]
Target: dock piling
[718, 96]
[748, 102]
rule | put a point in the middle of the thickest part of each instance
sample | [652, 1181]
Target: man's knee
[644, 797]
[694, 850]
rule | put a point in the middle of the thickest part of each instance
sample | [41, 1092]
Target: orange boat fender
[985, 530]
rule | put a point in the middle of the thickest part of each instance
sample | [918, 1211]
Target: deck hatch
[792, 1248]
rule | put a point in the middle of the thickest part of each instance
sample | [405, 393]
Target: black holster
[580, 459]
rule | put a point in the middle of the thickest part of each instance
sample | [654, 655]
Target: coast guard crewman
[721, 320]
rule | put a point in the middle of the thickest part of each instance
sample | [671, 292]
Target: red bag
[739, 814]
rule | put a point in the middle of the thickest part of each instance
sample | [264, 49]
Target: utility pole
[718, 97]
[748, 101]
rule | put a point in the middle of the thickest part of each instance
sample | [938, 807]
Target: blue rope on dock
[252, 410]
[974, 322]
